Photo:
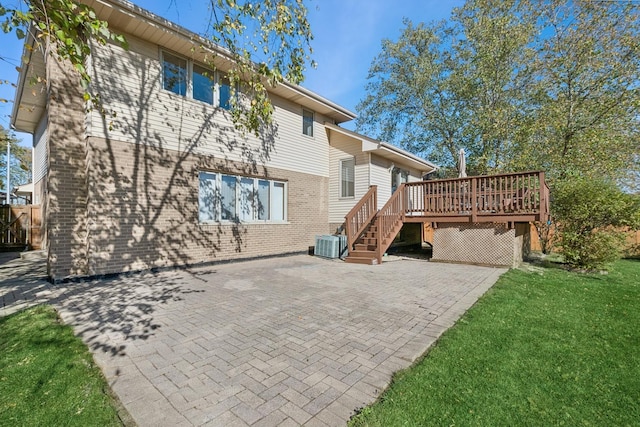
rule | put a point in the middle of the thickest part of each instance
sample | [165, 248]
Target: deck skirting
[481, 243]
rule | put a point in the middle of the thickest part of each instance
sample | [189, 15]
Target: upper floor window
[174, 73]
[307, 122]
[347, 178]
[224, 92]
[186, 78]
[203, 84]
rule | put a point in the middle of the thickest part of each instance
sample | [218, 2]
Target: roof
[124, 16]
[386, 150]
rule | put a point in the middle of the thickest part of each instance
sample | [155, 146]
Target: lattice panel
[493, 244]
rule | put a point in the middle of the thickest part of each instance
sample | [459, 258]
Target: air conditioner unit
[331, 246]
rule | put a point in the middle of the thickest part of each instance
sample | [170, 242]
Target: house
[164, 179]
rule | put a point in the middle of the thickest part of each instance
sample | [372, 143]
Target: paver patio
[285, 341]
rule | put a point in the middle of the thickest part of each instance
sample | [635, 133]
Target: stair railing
[360, 216]
[388, 218]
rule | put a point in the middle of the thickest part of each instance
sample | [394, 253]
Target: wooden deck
[508, 198]
[516, 197]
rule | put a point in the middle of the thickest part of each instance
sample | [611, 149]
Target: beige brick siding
[111, 205]
[65, 200]
[143, 210]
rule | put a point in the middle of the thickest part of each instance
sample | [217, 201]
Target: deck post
[474, 199]
[544, 211]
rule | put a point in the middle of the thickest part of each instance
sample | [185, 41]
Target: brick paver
[285, 341]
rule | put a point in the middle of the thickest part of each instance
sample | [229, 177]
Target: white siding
[40, 151]
[344, 147]
[130, 85]
[381, 176]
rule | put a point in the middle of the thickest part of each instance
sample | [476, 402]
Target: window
[224, 89]
[203, 84]
[398, 176]
[262, 199]
[347, 174]
[184, 77]
[279, 205]
[208, 197]
[174, 74]
[237, 198]
[307, 122]
[228, 199]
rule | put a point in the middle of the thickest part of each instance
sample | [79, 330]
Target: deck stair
[365, 248]
[508, 198]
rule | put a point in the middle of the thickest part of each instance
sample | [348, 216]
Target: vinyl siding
[145, 113]
[381, 176]
[344, 147]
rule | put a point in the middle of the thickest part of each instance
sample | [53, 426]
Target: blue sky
[347, 36]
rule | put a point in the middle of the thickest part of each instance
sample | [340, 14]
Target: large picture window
[347, 178]
[232, 198]
[186, 78]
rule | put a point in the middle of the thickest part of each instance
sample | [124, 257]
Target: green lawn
[547, 348]
[47, 375]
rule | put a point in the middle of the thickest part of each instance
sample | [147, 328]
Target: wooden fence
[632, 242]
[20, 227]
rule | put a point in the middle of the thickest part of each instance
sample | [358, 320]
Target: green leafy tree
[20, 160]
[456, 84]
[519, 84]
[269, 41]
[591, 215]
[587, 98]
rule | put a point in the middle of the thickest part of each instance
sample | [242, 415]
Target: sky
[347, 37]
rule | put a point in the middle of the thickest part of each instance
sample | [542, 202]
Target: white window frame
[342, 161]
[217, 77]
[313, 120]
[238, 200]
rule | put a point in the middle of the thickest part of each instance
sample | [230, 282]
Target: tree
[269, 42]
[452, 85]
[518, 84]
[586, 94]
[20, 160]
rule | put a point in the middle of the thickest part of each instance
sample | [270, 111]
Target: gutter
[127, 6]
[20, 84]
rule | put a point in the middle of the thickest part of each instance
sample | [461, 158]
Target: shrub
[588, 213]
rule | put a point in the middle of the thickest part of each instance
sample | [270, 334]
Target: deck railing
[509, 197]
[388, 218]
[358, 218]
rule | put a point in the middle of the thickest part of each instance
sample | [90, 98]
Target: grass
[47, 375]
[547, 348]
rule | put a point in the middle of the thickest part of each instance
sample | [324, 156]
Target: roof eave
[386, 150]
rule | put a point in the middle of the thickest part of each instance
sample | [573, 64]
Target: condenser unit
[328, 246]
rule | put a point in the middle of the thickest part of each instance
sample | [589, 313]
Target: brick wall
[65, 200]
[143, 210]
[111, 206]
[490, 244]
